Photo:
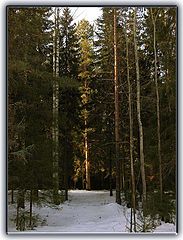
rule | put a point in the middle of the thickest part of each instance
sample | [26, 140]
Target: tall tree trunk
[86, 150]
[157, 104]
[55, 132]
[116, 92]
[131, 134]
[142, 168]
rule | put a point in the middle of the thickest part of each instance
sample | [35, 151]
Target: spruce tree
[69, 55]
[69, 94]
[28, 86]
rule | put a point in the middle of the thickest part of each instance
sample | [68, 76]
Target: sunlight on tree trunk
[133, 195]
[87, 162]
[86, 152]
[116, 92]
[84, 31]
[142, 167]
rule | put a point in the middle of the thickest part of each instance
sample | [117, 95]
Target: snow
[84, 212]
[165, 227]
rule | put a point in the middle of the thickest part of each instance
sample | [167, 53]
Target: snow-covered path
[84, 212]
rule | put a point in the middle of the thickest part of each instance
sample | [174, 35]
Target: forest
[91, 107]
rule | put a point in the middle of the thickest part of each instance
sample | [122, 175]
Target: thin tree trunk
[35, 194]
[66, 156]
[21, 198]
[66, 182]
[12, 196]
[30, 216]
[116, 92]
[55, 132]
[157, 105]
[142, 168]
[123, 184]
[17, 218]
[131, 135]
[110, 173]
[87, 162]
[83, 175]
[86, 149]
[20, 204]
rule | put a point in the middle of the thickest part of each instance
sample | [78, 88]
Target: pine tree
[65, 109]
[85, 35]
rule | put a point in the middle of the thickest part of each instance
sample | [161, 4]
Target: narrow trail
[90, 198]
[85, 211]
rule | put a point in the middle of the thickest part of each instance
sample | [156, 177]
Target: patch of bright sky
[88, 13]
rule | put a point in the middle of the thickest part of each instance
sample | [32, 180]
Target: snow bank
[165, 228]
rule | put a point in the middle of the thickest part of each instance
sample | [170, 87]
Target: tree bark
[131, 135]
[35, 194]
[30, 216]
[157, 104]
[87, 162]
[116, 92]
[66, 156]
[86, 151]
[20, 204]
[110, 173]
[142, 167]
[55, 132]
[12, 196]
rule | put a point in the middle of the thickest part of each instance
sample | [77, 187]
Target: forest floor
[85, 211]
